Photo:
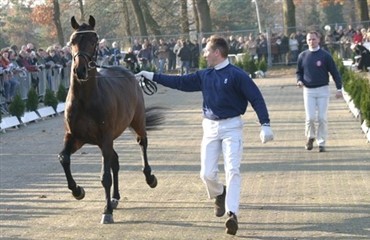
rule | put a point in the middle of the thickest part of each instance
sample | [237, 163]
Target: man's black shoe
[309, 144]
[231, 224]
[220, 204]
[322, 149]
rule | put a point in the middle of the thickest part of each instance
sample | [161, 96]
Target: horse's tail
[154, 117]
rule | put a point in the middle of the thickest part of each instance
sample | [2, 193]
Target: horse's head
[84, 43]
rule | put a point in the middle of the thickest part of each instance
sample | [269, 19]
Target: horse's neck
[85, 89]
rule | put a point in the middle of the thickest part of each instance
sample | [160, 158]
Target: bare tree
[149, 20]
[184, 17]
[139, 17]
[126, 19]
[196, 17]
[81, 5]
[289, 17]
[205, 23]
[57, 22]
[362, 11]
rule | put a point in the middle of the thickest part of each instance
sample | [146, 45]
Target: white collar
[314, 49]
[222, 64]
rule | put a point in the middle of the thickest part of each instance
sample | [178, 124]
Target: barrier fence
[44, 79]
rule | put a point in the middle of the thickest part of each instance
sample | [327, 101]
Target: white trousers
[226, 137]
[316, 99]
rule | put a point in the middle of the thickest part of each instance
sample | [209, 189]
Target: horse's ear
[92, 21]
[74, 23]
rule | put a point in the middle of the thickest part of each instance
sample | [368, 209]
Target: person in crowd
[363, 62]
[357, 37]
[145, 56]
[275, 41]
[251, 46]
[293, 48]
[162, 55]
[171, 55]
[345, 43]
[9, 75]
[233, 43]
[131, 60]
[313, 68]
[137, 46]
[185, 57]
[284, 49]
[104, 52]
[24, 60]
[115, 54]
[226, 91]
[176, 50]
[262, 47]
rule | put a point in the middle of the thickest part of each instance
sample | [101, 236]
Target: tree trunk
[149, 20]
[184, 17]
[204, 14]
[126, 20]
[362, 11]
[139, 17]
[289, 17]
[196, 17]
[82, 12]
[57, 22]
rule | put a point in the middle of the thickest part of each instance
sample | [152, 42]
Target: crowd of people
[16, 64]
[179, 55]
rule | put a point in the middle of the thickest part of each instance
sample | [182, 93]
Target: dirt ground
[287, 192]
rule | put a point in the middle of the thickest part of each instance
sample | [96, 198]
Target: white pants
[316, 99]
[226, 137]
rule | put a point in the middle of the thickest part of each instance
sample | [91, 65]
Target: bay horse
[100, 105]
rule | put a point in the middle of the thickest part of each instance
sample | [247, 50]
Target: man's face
[312, 40]
[211, 55]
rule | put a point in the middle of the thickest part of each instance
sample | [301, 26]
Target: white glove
[146, 74]
[266, 134]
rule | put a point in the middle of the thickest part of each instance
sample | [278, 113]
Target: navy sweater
[313, 68]
[226, 91]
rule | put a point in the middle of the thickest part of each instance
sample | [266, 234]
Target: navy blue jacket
[226, 91]
[313, 68]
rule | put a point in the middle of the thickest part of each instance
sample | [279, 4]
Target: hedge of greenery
[357, 85]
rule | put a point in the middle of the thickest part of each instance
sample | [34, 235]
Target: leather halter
[89, 58]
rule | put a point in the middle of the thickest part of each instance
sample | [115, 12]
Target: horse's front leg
[151, 180]
[115, 168]
[106, 180]
[65, 159]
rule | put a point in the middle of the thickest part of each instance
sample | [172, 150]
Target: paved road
[287, 192]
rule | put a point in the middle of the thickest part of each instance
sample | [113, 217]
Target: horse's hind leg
[151, 180]
[65, 159]
[115, 168]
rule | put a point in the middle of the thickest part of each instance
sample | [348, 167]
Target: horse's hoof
[79, 194]
[106, 219]
[154, 182]
[114, 203]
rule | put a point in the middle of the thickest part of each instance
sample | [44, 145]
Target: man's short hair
[220, 43]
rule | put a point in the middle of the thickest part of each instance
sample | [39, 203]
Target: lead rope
[149, 87]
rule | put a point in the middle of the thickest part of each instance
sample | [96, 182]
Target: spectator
[103, 52]
[251, 46]
[262, 47]
[9, 75]
[145, 56]
[293, 48]
[364, 61]
[176, 50]
[185, 57]
[115, 55]
[171, 55]
[162, 55]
